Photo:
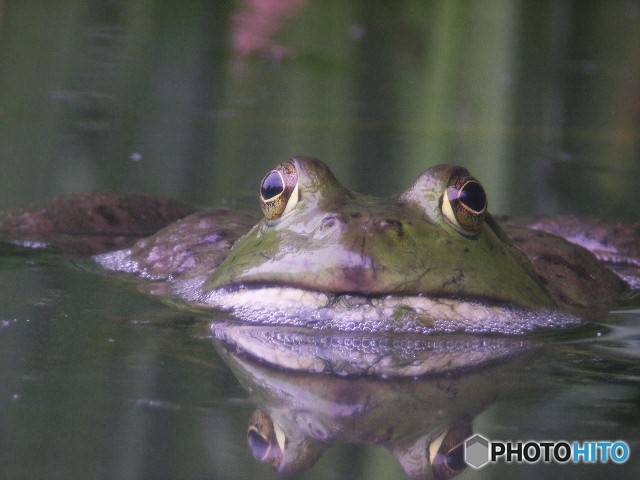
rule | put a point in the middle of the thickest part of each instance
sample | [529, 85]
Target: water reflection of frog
[368, 392]
[429, 259]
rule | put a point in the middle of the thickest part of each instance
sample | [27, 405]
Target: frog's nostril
[329, 221]
[383, 225]
[389, 225]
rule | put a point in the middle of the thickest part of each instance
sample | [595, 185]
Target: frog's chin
[348, 312]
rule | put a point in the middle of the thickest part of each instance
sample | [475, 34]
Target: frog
[429, 259]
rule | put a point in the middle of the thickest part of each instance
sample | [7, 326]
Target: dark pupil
[473, 196]
[272, 186]
[455, 458]
[258, 444]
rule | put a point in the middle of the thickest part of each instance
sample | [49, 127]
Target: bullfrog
[430, 259]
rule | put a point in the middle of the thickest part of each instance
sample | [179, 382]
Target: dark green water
[197, 100]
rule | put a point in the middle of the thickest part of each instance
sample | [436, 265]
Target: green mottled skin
[338, 241]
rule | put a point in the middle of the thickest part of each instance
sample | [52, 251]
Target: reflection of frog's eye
[262, 436]
[464, 202]
[279, 191]
[446, 452]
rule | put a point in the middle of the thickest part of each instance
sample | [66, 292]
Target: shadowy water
[197, 100]
[539, 100]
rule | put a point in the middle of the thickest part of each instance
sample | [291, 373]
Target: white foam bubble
[410, 314]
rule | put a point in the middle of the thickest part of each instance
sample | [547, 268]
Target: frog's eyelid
[293, 200]
[447, 210]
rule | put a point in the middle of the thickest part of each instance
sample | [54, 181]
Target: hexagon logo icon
[476, 451]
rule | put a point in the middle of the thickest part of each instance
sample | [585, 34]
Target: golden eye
[279, 191]
[446, 451]
[464, 202]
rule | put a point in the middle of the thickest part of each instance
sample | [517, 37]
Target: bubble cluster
[393, 314]
[349, 353]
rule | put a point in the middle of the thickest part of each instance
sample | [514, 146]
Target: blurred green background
[198, 99]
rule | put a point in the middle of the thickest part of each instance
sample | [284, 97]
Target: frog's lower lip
[282, 305]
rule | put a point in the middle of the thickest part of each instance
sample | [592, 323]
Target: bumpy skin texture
[573, 276]
[615, 244]
[338, 241]
[193, 246]
[90, 223]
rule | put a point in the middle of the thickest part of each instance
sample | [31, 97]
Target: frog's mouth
[271, 304]
[424, 314]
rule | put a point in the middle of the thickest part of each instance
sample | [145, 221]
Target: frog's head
[436, 239]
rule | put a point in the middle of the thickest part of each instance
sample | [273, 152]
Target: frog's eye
[265, 439]
[279, 191]
[446, 452]
[464, 202]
